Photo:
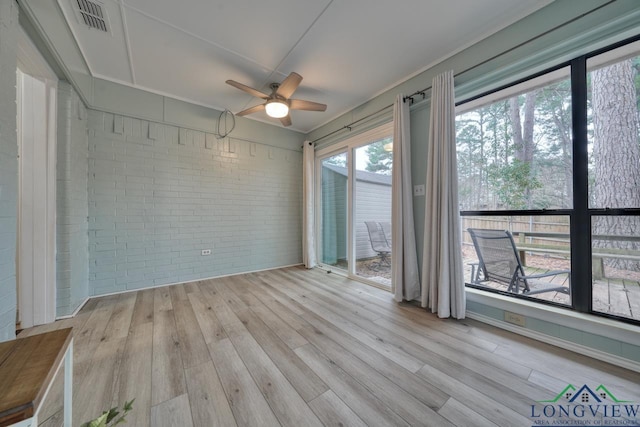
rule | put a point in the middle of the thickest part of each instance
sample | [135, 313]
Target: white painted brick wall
[72, 202]
[160, 194]
[8, 167]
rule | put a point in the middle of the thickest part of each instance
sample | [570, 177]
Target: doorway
[354, 203]
[36, 124]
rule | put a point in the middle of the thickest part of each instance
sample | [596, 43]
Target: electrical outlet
[205, 252]
[418, 190]
[516, 319]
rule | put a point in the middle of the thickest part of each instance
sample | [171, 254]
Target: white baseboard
[126, 291]
[558, 342]
[76, 311]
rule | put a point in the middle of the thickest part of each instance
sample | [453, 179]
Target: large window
[555, 162]
[355, 206]
[614, 180]
[515, 170]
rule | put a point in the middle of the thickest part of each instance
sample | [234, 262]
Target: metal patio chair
[386, 229]
[379, 242]
[499, 261]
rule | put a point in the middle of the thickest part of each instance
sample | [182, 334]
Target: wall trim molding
[297, 148]
[126, 291]
[37, 102]
[558, 342]
[76, 311]
[592, 324]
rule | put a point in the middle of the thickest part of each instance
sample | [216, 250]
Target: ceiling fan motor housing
[279, 102]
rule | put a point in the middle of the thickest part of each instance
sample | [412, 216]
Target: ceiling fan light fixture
[278, 104]
[277, 109]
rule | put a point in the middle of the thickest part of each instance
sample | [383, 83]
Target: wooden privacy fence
[540, 224]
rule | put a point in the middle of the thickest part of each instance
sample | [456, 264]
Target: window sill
[605, 327]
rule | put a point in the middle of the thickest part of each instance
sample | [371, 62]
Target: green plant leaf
[113, 412]
[108, 418]
[101, 421]
[128, 405]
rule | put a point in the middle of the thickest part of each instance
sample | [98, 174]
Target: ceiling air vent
[91, 13]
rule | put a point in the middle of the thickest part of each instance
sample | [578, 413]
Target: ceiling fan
[279, 102]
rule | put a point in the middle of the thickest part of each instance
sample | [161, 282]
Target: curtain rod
[473, 67]
[352, 123]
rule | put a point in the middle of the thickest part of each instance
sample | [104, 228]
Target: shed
[372, 203]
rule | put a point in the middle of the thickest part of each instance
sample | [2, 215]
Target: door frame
[320, 156]
[347, 146]
[37, 298]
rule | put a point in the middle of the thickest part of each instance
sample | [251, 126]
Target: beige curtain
[404, 259]
[442, 275]
[308, 205]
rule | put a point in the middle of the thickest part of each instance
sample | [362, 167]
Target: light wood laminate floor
[294, 347]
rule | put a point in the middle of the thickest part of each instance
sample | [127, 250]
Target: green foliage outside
[494, 173]
[512, 183]
[379, 160]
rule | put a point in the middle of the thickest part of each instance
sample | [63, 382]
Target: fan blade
[301, 104]
[286, 120]
[249, 90]
[251, 110]
[289, 85]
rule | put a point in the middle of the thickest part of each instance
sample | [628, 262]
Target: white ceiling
[348, 51]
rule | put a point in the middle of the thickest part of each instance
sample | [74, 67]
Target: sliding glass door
[372, 211]
[334, 216]
[354, 198]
